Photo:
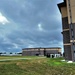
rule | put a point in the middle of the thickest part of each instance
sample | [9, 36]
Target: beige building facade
[67, 9]
[41, 51]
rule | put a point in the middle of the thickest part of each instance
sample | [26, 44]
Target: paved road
[20, 58]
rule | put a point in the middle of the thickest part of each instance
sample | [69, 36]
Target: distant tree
[4, 53]
[19, 53]
[0, 53]
[15, 53]
[10, 52]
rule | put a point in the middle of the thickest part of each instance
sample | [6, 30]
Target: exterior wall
[30, 53]
[65, 24]
[73, 31]
[64, 11]
[71, 16]
[52, 52]
[68, 11]
[72, 3]
[40, 51]
[66, 38]
[68, 20]
[67, 50]
[73, 43]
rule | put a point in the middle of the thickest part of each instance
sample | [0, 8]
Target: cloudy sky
[29, 23]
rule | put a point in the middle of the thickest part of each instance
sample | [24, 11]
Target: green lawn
[40, 66]
[10, 57]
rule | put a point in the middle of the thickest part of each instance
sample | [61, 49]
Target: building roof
[42, 48]
[63, 4]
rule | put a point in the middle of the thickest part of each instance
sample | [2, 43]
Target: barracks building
[67, 10]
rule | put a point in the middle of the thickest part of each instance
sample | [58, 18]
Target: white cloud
[8, 48]
[30, 46]
[40, 27]
[3, 19]
[15, 46]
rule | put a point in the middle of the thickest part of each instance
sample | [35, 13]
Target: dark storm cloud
[33, 23]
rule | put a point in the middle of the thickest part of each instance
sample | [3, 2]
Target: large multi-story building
[67, 9]
[56, 51]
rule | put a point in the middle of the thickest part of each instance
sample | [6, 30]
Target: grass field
[35, 66]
